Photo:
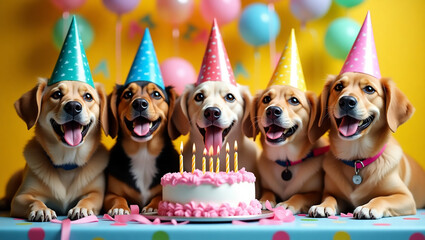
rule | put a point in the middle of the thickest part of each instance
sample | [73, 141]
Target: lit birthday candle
[204, 161]
[235, 157]
[181, 158]
[217, 163]
[227, 158]
[193, 157]
[210, 153]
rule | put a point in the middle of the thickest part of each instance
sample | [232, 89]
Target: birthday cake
[209, 195]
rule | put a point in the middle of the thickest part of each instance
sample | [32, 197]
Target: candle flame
[181, 147]
[211, 151]
[227, 147]
[236, 145]
[205, 152]
[218, 150]
[193, 149]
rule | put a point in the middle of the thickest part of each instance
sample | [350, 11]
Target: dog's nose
[273, 112]
[347, 103]
[73, 108]
[140, 104]
[212, 113]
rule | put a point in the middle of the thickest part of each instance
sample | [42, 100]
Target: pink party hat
[216, 65]
[362, 57]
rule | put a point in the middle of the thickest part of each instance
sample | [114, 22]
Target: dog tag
[357, 179]
[286, 175]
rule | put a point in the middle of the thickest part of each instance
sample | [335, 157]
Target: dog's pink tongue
[141, 127]
[72, 133]
[274, 132]
[213, 137]
[348, 126]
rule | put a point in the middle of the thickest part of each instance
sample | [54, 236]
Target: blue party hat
[72, 63]
[145, 65]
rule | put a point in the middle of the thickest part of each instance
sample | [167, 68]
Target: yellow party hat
[289, 71]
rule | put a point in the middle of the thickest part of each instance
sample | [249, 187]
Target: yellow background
[28, 52]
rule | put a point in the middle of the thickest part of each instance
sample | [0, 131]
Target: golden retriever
[361, 111]
[65, 160]
[288, 167]
[143, 152]
[212, 113]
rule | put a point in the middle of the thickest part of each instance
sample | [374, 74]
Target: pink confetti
[302, 214]
[411, 218]
[349, 215]
[382, 224]
[333, 217]
[36, 234]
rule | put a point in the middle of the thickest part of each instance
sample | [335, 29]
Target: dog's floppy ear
[312, 102]
[28, 106]
[172, 95]
[179, 124]
[398, 107]
[112, 111]
[103, 116]
[250, 125]
[321, 123]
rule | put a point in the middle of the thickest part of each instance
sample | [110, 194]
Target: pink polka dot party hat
[362, 57]
[216, 65]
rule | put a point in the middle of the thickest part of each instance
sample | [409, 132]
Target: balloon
[175, 11]
[306, 10]
[61, 28]
[340, 37]
[178, 73]
[258, 25]
[224, 11]
[68, 5]
[121, 6]
[348, 3]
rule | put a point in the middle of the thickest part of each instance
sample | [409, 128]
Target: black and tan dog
[144, 152]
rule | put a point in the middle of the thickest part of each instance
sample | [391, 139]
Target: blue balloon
[258, 25]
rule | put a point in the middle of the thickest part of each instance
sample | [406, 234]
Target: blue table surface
[406, 227]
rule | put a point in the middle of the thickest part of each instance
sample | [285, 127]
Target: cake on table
[209, 194]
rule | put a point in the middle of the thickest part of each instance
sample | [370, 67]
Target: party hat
[216, 65]
[72, 63]
[289, 71]
[362, 57]
[145, 65]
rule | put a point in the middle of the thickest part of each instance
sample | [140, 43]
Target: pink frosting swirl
[197, 178]
[193, 209]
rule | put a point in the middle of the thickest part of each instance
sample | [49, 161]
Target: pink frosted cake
[209, 195]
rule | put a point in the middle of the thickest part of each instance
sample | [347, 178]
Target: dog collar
[286, 174]
[67, 166]
[360, 164]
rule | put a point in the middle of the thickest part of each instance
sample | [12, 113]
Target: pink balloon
[224, 11]
[178, 73]
[121, 6]
[68, 5]
[175, 11]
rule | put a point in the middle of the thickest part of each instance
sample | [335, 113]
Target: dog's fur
[189, 117]
[137, 163]
[387, 181]
[304, 189]
[45, 190]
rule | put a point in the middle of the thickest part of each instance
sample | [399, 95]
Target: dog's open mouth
[214, 136]
[71, 133]
[349, 126]
[276, 134]
[142, 127]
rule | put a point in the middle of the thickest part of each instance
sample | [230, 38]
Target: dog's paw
[318, 211]
[364, 212]
[288, 207]
[263, 204]
[148, 209]
[42, 215]
[118, 211]
[77, 213]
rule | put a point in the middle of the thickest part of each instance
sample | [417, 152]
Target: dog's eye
[229, 97]
[339, 87]
[294, 101]
[128, 95]
[369, 90]
[57, 95]
[156, 95]
[267, 99]
[199, 97]
[88, 97]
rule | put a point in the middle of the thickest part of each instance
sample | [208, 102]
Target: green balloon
[340, 37]
[348, 3]
[61, 28]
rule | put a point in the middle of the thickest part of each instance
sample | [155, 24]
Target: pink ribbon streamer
[280, 215]
[66, 225]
